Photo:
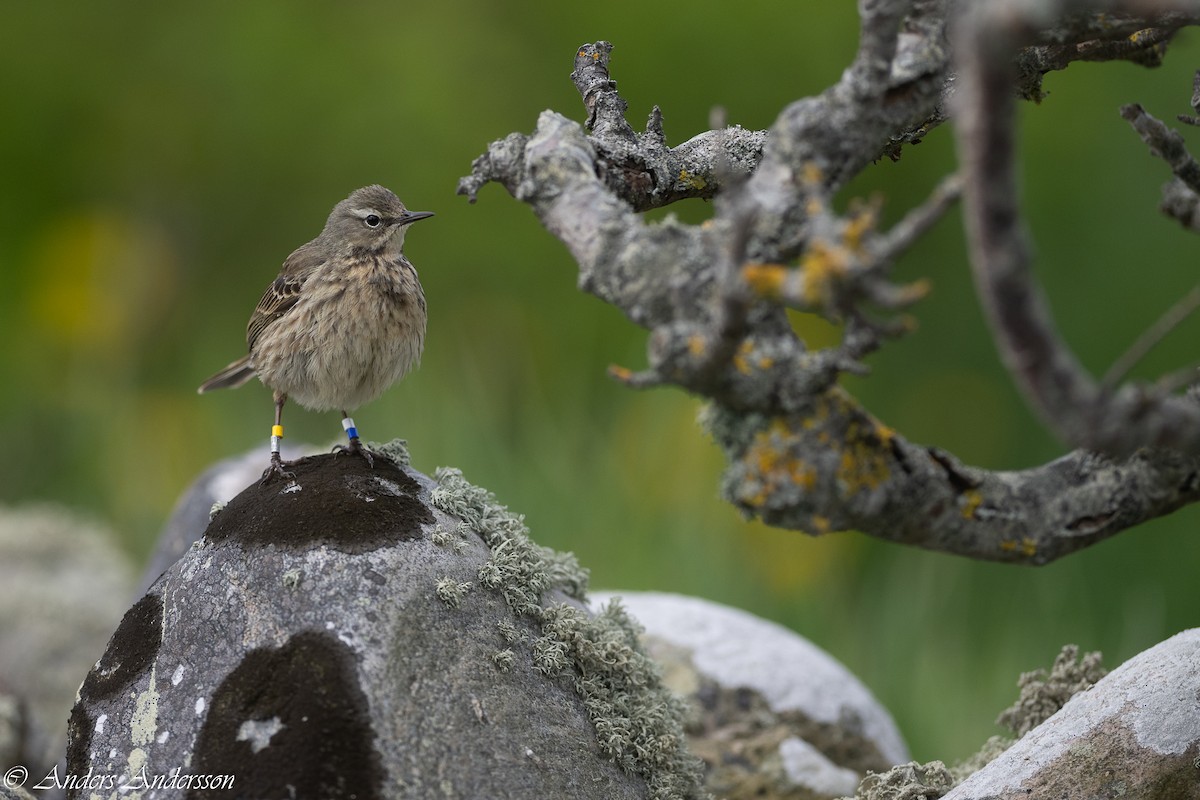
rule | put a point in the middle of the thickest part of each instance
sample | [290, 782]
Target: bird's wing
[282, 294]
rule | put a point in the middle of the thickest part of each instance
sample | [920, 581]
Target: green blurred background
[160, 161]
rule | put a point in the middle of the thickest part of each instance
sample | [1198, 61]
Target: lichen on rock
[638, 721]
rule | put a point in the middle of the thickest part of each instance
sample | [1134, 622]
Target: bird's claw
[276, 470]
[356, 447]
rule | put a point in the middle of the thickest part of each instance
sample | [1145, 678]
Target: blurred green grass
[161, 161]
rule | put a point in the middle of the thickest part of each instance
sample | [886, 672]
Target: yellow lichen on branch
[971, 499]
[865, 460]
[864, 465]
[745, 360]
[622, 374]
[740, 362]
[692, 180]
[771, 463]
[836, 437]
[765, 280]
[859, 226]
[823, 266]
[1026, 546]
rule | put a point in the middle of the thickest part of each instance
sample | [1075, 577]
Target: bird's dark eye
[371, 220]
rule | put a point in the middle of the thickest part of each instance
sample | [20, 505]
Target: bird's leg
[276, 466]
[356, 445]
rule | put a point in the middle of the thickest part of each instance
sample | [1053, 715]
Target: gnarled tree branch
[801, 452]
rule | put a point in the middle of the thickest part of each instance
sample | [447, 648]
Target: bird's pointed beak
[409, 217]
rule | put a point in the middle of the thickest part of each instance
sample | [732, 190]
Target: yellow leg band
[277, 430]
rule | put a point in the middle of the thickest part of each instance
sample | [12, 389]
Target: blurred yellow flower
[100, 279]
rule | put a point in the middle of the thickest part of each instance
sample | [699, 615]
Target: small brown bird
[344, 320]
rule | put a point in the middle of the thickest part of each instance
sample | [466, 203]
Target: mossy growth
[992, 748]
[638, 721]
[454, 540]
[911, 781]
[451, 592]
[1042, 695]
[520, 569]
[504, 659]
[396, 450]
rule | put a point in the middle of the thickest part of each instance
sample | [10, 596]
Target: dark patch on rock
[292, 722]
[128, 656]
[79, 739]
[340, 502]
[130, 651]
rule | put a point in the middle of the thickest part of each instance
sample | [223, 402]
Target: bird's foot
[356, 447]
[276, 470]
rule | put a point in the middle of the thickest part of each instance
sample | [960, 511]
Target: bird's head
[371, 221]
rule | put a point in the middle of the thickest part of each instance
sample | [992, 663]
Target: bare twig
[1190, 120]
[606, 109]
[1176, 314]
[1164, 143]
[919, 220]
[1188, 376]
[1181, 196]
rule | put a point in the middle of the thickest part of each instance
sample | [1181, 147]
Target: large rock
[773, 715]
[1135, 734]
[375, 633]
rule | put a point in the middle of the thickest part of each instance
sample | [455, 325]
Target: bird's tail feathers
[231, 377]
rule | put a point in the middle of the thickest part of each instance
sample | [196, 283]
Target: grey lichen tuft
[291, 579]
[396, 450]
[910, 781]
[454, 540]
[550, 655]
[451, 592]
[441, 537]
[508, 631]
[504, 659]
[519, 568]
[215, 509]
[638, 721]
[992, 748]
[1042, 694]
